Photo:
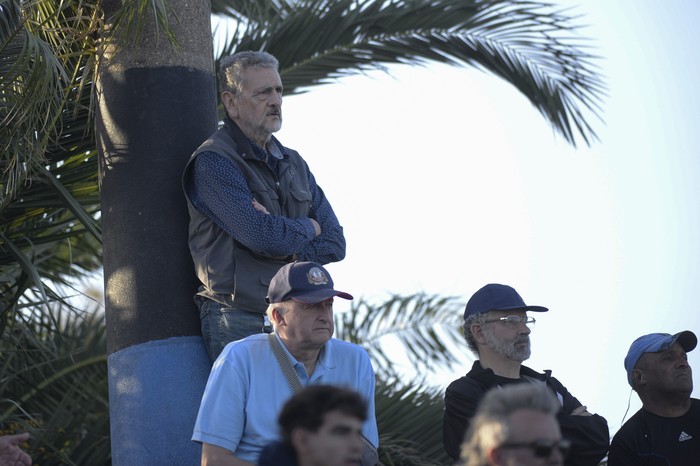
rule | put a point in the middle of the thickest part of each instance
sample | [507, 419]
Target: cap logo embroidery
[316, 276]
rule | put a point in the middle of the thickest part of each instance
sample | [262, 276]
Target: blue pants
[222, 324]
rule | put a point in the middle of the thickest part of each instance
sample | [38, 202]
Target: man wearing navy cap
[247, 387]
[666, 431]
[497, 329]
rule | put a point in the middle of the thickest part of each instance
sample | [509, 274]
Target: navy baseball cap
[655, 343]
[496, 297]
[306, 282]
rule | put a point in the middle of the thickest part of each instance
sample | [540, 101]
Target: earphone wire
[629, 399]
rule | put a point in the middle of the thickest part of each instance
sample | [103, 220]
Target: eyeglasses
[514, 321]
[542, 448]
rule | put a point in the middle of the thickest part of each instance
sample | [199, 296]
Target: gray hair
[490, 425]
[466, 328]
[231, 69]
[282, 307]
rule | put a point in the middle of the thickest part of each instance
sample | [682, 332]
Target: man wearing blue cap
[497, 329]
[253, 378]
[666, 431]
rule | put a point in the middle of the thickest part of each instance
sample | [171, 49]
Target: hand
[316, 225]
[259, 207]
[10, 452]
[581, 411]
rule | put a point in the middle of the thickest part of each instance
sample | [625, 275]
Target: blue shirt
[219, 190]
[246, 391]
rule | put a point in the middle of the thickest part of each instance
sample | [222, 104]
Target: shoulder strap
[370, 457]
[285, 364]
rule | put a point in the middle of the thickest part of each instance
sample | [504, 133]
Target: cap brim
[522, 308]
[318, 296]
[686, 339]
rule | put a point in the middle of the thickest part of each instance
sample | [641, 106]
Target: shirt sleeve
[459, 411]
[221, 418]
[369, 429]
[329, 246]
[219, 190]
[589, 435]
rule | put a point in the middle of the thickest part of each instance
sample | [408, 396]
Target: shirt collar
[326, 357]
[262, 152]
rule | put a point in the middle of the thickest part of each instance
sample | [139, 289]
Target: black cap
[496, 297]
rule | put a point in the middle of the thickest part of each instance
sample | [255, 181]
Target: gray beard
[508, 348]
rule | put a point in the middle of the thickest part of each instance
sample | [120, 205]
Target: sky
[446, 179]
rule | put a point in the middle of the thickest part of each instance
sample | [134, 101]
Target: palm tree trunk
[156, 104]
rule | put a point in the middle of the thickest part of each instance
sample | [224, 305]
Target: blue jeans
[222, 324]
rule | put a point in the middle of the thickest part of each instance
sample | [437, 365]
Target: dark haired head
[308, 408]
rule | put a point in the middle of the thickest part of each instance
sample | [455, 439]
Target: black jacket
[278, 454]
[589, 434]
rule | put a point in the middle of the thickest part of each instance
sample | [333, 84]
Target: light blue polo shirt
[247, 389]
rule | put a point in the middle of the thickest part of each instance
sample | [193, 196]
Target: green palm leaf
[53, 376]
[31, 85]
[424, 328]
[48, 171]
[409, 418]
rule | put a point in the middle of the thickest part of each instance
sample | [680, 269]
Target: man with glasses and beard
[497, 330]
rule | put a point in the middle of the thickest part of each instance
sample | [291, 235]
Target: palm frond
[53, 376]
[409, 418]
[32, 79]
[531, 45]
[244, 10]
[48, 166]
[425, 328]
[45, 236]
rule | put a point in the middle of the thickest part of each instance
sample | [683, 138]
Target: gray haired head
[232, 68]
[490, 426]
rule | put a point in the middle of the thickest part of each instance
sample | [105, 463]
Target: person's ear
[300, 440]
[277, 316]
[478, 333]
[638, 377]
[229, 102]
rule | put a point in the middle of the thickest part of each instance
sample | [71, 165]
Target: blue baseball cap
[655, 343]
[496, 297]
[306, 282]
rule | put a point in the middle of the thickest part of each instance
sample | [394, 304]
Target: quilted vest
[231, 273]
